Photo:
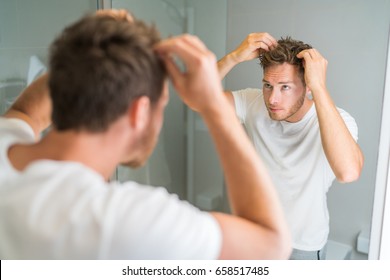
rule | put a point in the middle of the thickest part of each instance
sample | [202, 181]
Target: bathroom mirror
[352, 34]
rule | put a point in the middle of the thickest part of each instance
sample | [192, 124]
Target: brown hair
[286, 51]
[98, 66]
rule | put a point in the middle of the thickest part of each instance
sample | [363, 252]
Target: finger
[186, 48]
[316, 54]
[270, 41]
[305, 54]
[265, 38]
[120, 14]
[173, 70]
[195, 41]
[172, 67]
[181, 42]
[259, 45]
[263, 45]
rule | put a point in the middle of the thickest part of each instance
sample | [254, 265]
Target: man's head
[284, 86]
[98, 67]
[285, 52]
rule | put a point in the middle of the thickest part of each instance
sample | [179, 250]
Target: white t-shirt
[64, 210]
[297, 163]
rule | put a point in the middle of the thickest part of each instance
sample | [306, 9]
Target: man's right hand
[198, 85]
[249, 49]
[252, 46]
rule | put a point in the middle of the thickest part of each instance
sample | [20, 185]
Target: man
[304, 139]
[108, 90]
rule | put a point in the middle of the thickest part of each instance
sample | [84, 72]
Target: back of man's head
[98, 66]
[285, 52]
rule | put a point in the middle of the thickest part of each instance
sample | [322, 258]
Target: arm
[33, 106]
[341, 150]
[258, 218]
[249, 49]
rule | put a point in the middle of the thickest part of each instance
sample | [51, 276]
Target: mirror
[351, 34]
[380, 229]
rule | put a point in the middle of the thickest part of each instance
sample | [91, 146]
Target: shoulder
[17, 128]
[13, 131]
[348, 119]
[247, 95]
[349, 122]
[248, 92]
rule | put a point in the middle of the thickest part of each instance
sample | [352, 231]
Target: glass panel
[26, 30]
[167, 165]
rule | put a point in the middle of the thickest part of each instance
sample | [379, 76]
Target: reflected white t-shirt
[297, 163]
[65, 210]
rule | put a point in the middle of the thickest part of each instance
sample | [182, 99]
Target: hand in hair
[252, 46]
[315, 69]
[199, 85]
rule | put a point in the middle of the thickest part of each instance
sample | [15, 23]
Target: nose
[275, 97]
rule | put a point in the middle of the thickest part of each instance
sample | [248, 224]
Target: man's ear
[139, 113]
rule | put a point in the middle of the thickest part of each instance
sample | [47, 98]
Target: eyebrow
[286, 82]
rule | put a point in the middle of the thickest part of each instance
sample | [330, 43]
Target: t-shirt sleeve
[150, 223]
[350, 123]
[12, 131]
[16, 128]
[242, 100]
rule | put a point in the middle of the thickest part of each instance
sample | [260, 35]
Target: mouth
[275, 110]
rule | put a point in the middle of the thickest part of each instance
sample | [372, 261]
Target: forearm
[226, 64]
[250, 189]
[33, 105]
[341, 150]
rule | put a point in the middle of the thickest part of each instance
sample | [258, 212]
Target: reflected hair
[98, 66]
[285, 52]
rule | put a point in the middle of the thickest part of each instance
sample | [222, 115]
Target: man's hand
[315, 69]
[199, 86]
[251, 48]
[116, 14]
[253, 45]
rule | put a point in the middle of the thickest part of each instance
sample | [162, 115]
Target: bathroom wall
[28, 27]
[352, 35]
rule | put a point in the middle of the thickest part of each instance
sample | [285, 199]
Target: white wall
[28, 27]
[352, 35]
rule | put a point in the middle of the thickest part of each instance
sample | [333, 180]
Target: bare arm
[249, 49]
[33, 106]
[258, 218]
[341, 150]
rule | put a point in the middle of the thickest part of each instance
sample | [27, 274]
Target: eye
[267, 86]
[286, 87]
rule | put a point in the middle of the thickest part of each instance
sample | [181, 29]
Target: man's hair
[98, 66]
[286, 51]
